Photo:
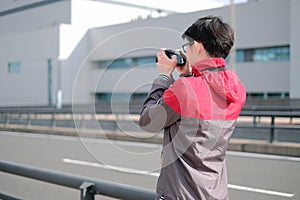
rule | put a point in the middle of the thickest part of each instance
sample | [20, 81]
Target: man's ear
[199, 47]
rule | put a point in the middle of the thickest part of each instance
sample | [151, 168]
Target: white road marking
[262, 156]
[257, 190]
[155, 174]
[110, 167]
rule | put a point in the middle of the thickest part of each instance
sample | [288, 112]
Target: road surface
[251, 176]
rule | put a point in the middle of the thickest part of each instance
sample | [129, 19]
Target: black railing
[5, 196]
[272, 115]
[89, 187]
[27, 115]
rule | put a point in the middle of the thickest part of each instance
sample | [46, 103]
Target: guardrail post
[86, 192]
[254, 119]
[6, 118]
[28, 119]
[272, 129]
[82, 126]
[116, 122]
[53, 120]
[291, 120]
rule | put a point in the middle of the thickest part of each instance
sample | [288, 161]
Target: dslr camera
[180, 59]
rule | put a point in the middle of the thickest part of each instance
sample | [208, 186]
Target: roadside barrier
[50, 117]
[89, 187]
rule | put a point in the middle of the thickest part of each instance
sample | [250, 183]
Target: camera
[180, 59]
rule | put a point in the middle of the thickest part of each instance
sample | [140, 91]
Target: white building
[48, 48]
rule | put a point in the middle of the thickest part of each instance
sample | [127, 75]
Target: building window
[120, 97]
[14, 67]
[267, 54]
[149, 60]
[248, 55]
[267, 95]
[118, 63]
[138, 97]
[240, 56]
[128, 62]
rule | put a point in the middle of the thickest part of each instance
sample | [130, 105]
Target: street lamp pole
[232, 59]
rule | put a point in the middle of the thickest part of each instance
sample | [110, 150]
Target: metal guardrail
[271, 108]
[271, 114]
[5, 196]
[26, 115]
[89, 187]
[103, 108]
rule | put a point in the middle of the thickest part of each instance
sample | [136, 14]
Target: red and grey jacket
[198, 115]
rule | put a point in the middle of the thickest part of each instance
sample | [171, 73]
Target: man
[198, 113]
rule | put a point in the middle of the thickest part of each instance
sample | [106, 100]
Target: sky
[181, 6]
[123, 13]
[127, 13]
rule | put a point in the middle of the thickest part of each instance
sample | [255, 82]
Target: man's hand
[164, 64]
[184, 70]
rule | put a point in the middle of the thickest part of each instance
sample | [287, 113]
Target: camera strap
[214, 69]
[211, 69]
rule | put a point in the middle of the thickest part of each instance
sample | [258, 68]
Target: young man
[198, 113]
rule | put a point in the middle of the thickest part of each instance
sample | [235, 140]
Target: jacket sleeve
[156, 115]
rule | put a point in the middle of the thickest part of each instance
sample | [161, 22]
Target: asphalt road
[251, 176]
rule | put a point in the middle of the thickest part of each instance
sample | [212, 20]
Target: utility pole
[232, 62]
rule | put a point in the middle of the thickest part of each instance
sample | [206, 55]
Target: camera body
[180, 59]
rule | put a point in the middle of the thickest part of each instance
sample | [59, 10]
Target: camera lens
[180, 60]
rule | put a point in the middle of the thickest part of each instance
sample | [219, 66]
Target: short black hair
[216, 36]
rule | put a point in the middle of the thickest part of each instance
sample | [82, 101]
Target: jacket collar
[208, 63]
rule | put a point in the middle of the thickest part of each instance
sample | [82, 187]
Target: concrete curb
[257, 146]
[242, 145]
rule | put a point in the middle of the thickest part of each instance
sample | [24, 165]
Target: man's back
[196, 144]
[197, 112]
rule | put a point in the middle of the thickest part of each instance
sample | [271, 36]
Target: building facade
[53, 53]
